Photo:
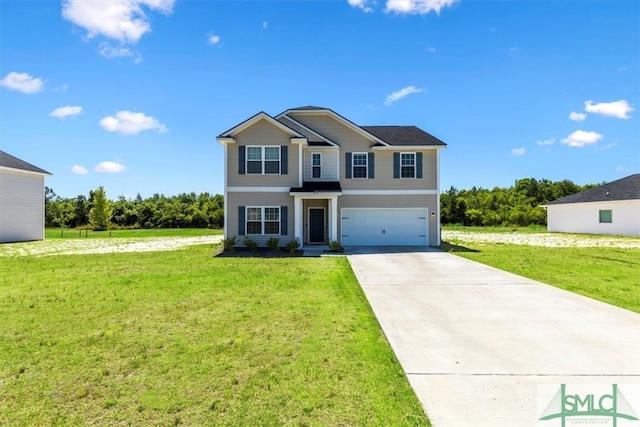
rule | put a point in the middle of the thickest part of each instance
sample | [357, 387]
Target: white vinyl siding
[586, 218]
[21, 206]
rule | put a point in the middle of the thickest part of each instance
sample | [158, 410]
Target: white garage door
[384, 227]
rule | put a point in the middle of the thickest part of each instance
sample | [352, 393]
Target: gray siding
[21, 206]
[262, 133]
[234, 200]
[394, 201]
[329, 168]
[351, 141]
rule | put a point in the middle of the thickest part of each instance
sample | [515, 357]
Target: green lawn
[71, 233]
[605, 273]
[185, 338]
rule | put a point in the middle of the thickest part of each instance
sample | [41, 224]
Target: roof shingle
[622, 189]
[9, 161]
[403, 135]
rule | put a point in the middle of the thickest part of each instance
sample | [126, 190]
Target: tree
[100, 213]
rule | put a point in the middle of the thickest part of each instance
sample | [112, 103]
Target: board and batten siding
[258, 199]
[21, 206]
[329, 163]
[262, 133]
[585, 218]
[389, 201]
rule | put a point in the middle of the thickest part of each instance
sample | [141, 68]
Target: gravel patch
[103, 246]
[541, 239]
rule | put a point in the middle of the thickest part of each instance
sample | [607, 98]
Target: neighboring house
[612, 208]
[310, 174]
[21, 200]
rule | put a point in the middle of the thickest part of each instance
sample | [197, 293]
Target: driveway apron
[481, 346]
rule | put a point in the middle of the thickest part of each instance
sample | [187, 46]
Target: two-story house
[311, 174]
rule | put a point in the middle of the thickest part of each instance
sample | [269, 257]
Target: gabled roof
[623, 189]
[313, 137]
[256, 118]
[9, 161]
[398, 136]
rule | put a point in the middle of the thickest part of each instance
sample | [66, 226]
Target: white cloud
[131, 123]
[418, 7]
[580, 138]
[577, 117]
[265, 24]
[623, 169]
[518, 151]
[361, 4]
[397, 95]
[549, 141]
[79, 170]
[431, 49]
[608, 146]
[62, 88]
[110, 167]
[619, 109]
[67, 111]
[122, 20]
[22, 82]
[111, 52]
[213, 39]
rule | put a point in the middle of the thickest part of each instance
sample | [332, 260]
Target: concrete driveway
[483, 347]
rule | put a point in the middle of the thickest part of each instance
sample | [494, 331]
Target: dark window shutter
[241, 220]
[370, 164]
[347, 166]
[284, 228]
[284, 160]
[396, 165]
[241, 159]
[418, 165]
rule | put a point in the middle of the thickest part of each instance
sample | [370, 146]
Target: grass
[607, 274]
[184, 338]
[71, 233]
[496, 229]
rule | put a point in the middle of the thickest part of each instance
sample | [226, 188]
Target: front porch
[316, 212]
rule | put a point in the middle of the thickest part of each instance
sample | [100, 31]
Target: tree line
[96, 211]
[517, 205]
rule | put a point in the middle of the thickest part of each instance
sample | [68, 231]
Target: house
[612, 208]
[21, 200]
[313, 175]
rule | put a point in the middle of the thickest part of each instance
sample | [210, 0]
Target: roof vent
[607, 193]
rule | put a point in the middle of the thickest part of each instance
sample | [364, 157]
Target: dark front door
[316, 225]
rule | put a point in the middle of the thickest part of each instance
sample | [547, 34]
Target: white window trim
[415, 166]
[262, 220]
[366, 166]
[263, 159]
[316, 166]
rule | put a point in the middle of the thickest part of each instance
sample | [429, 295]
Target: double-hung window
[359, 165]
[407, 165]
[263, 160]
[263, 220]
[316, 165]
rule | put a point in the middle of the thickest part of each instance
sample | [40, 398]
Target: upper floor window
[407, 165]
[359, 165]
[316, 165]
[605, 216]
[263, 160]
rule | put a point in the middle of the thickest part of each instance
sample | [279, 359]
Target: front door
[316, 225]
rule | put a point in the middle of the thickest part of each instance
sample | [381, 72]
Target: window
[605, 216]
[263, 160]
[407, 165]
[263, 220]
[359, 163]
[316, 165]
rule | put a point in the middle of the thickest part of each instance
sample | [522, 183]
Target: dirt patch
[102, 246]
[541, 239]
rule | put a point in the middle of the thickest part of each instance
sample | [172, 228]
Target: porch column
[333, 221]
[297, 218]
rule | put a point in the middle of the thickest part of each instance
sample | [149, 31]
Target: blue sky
[131, 94]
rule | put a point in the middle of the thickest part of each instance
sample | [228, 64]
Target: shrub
[250, 243]
[229, 243]
[292, 246]
[335, 246]
[273, 243]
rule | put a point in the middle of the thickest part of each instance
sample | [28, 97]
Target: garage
[384, 226]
